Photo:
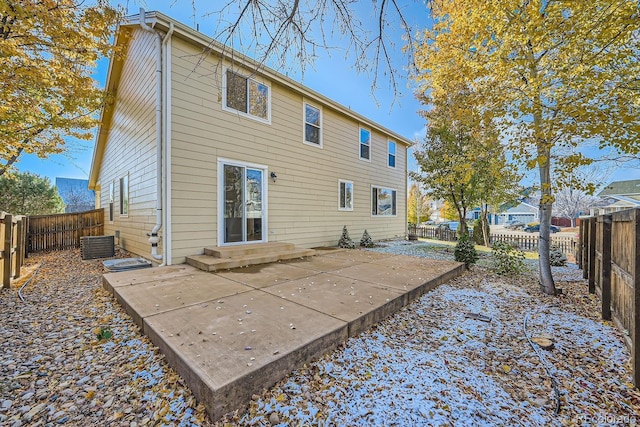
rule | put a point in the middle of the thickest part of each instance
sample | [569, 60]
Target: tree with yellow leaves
[48, 51]
[550, 74]
[418, 206]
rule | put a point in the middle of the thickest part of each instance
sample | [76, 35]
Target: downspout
[154, 239]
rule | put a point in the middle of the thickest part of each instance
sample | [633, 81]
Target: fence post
[584, 241]
[18, 249]
[605, 268]
[592, 255]
[8, 240]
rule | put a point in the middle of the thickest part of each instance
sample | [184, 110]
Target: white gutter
[154, 239]
[166, 104]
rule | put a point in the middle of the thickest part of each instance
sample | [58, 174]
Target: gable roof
[621, 188]
[162, 22]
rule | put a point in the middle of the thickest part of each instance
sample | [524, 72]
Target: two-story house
[201, 146]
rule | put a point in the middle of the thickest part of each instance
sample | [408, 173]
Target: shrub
[478, 237]
[366, 240]
[345, 241]
[465, 251]
[507, 259]
[556, 257]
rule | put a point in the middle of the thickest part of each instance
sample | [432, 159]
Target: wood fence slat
[592, 255]
[6, 255]
[605, 268]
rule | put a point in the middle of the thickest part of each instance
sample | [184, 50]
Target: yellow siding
[131, 148]
[303, 203]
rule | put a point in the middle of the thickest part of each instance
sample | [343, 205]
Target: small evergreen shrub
[478, 237]
[345, 241]
[366, 240]
[556, 257]
[465, 251]
[507, 259]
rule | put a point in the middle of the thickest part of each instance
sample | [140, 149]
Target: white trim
[371, 201]
[242, 113]
[395, 154]
[168, 241]
[220, 208]
[340, 208]
[304, 124]
[360, 129]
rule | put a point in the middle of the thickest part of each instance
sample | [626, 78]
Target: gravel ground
[71, 356]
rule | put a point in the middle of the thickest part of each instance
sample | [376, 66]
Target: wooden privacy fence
[63, 231]
[12, 252]
[610, 259]
[525, 242]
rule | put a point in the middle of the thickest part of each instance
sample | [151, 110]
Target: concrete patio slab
[261, 275]
[159, 296]
[231, 334]
[361, 304]
[323, 264]
[127, 278]
[229, 350]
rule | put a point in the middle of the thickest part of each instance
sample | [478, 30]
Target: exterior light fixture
[273, 176]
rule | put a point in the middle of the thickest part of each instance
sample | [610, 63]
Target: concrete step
[210, 263]
[249, 249]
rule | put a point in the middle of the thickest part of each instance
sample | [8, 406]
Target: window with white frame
[111, 201]
[246, 96]
[345, 196]
[383, 201]
[124, 195]
[312, 125]
[391, 154]
[365, 144]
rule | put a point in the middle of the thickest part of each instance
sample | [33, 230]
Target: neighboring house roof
[162, 22]
[521, 208]
[622, 188]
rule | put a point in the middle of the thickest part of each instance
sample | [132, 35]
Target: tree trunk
[546, 203]
[484, 223]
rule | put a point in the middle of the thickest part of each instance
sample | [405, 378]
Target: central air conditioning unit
[92, 247]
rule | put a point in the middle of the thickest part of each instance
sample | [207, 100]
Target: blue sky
[331, 74]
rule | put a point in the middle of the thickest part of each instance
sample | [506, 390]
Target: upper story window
[312, 125]
[247, 96]
[391, 154]
[365, 144]
[383, 201]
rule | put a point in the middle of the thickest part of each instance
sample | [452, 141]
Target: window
[111, 200]
[365, 144]
[124, 195]
[383, 201]
[391, 154]
[312, 125]
[345, 196]
[246, 96]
